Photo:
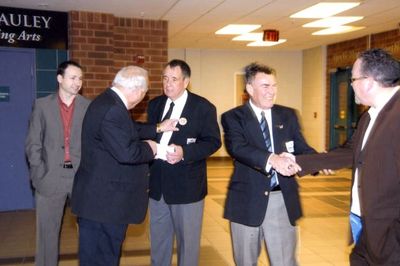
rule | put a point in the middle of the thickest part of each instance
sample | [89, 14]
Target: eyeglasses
[351, 80]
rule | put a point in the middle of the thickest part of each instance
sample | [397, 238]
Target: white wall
[314, 93]
[213, 73]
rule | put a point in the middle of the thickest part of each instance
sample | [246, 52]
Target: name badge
[290, 146]
[191, 140]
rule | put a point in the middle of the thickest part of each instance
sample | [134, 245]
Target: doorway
[17, 93]
[344, 111]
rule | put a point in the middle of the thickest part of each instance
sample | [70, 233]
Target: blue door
[17, 90]
[344, 111]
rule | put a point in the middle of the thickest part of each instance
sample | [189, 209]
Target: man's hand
[167, 125]
[175, 155]
[153, 145]
[284, 164]
[288, 155]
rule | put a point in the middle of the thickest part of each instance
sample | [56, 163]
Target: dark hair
[63, 66]
[381, 66]
[182, 64]
[254, 68]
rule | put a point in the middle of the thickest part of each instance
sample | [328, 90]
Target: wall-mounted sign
[33, 28]
[4, 94]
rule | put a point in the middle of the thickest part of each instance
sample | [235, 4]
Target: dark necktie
[169, 112]
[267, 140]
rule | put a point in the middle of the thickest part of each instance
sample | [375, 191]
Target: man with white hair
[110, 186]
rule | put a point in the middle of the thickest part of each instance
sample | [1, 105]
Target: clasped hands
[284, 163]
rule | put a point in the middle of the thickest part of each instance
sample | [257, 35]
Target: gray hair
[132, 78]
[381, 66]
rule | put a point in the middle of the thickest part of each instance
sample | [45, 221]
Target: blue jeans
[356, 226]
[100, 243]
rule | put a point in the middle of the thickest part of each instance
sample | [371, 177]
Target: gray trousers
[279, 235]
[183, 221]
[49, 214]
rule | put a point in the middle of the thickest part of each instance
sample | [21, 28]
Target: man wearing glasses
[374, 151]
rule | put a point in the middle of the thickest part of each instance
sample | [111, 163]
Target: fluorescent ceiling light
[262, 44]
[325, 9]
[337, 30]
[331, 22]
[256, 36]
[237, 29]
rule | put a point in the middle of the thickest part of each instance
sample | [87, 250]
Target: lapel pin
[279, 126]
[182, 121]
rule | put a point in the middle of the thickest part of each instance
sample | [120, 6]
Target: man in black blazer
[178, 178]
[110, 186]
[263, 199]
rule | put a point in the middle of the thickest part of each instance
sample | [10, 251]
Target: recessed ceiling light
[331, 22]
[262, 44]
[252, 36]
[337, 30]
[325, 9]
[237, 29]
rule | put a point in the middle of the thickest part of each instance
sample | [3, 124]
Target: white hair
[132, 78]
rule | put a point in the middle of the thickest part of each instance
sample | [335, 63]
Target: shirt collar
[180, 101]
[63, 105]
[258, 110]
[121, 96]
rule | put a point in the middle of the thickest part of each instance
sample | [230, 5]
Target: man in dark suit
[53, 149]
[374, 152]
[178, 178]
[263, 199]
[110, 187]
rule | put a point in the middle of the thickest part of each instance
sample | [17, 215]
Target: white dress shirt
[162, 147]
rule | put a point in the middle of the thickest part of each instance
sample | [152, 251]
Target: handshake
[284, 163]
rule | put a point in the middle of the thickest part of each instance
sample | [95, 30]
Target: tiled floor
[322, 232]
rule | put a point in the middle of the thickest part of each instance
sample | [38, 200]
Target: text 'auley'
[18, 20]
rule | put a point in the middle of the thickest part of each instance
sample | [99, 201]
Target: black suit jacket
[111, 183]
[186, 181]
[249, 187]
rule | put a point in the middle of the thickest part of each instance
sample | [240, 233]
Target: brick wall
[343, 55]
[103, 44]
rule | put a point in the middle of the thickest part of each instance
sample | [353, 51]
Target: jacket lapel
[252, 125]
[161, 108]
[277, 127]
[382, 116]
[79, 112]
[56, 117]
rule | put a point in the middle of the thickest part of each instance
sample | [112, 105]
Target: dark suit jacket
[186, 181]
[249, 187]
[44, 143]
[112, 180]
[379, 179]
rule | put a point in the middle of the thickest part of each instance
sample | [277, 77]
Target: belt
[67, 165]
[276, 188]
